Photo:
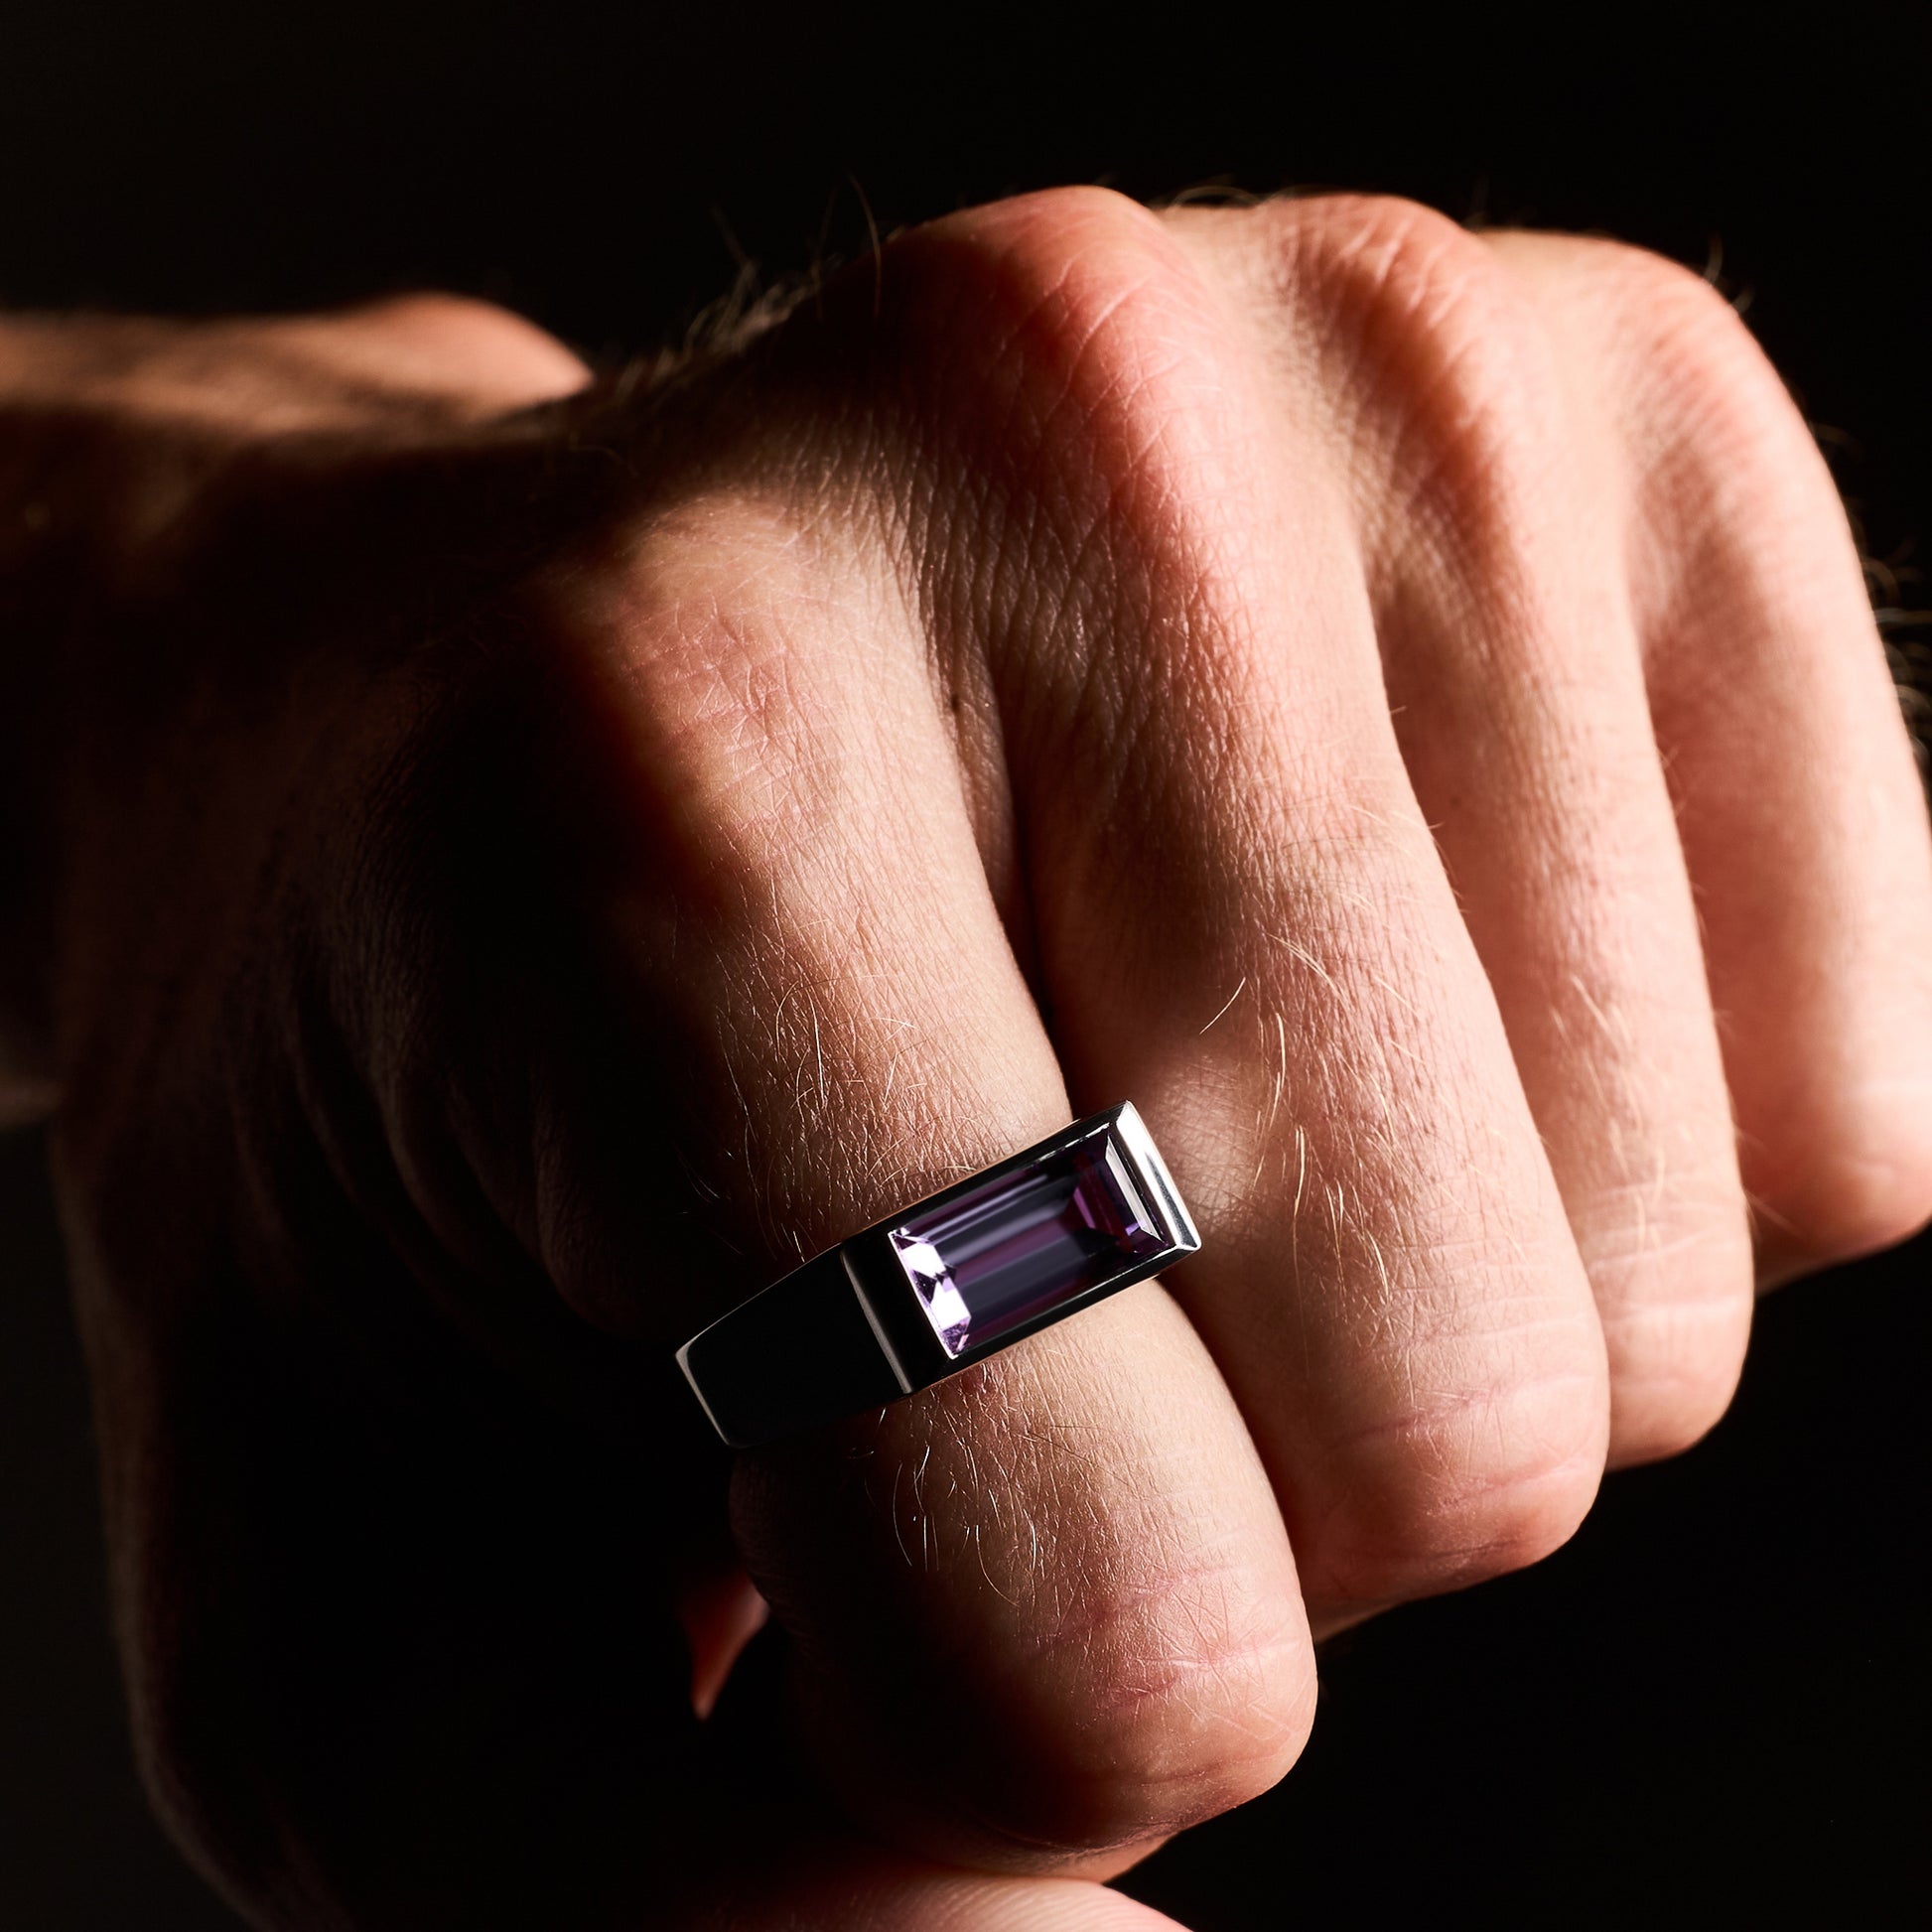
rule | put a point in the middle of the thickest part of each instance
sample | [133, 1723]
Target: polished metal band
[956, 1277]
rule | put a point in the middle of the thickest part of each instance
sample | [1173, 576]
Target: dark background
[1715, 1702]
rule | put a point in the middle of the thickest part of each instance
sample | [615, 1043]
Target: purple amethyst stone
[1024, 1242]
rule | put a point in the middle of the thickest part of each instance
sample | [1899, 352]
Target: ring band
[958, 1276]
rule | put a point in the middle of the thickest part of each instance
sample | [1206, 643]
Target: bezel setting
[907, 1331]
[945, 1284]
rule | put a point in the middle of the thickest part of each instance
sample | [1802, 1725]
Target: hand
[1399, 706]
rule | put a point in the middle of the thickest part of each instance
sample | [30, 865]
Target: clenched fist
[509, 864]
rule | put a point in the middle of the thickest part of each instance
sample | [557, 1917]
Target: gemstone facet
[1024, 1242]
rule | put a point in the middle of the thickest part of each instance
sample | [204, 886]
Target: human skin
[505, 864]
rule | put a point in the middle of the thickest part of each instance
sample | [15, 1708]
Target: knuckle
[1674, 1369]
[1068, 353]
[1465, 1488]
[1673, 1282]
[1850, 1184]
[1636, 297]
[1390, 281]
[1708, 412]
[1439, 356]
[1676, 306]
[1381, 250]
[1064, 335]
[1044, 230]
[1193, 1699]
[1074, 286]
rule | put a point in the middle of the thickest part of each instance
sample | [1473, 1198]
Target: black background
[1713, 1703]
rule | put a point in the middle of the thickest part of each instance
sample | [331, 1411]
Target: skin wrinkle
[1415, 1533]
[1447, 1540]
[1219, 1651]
[1444, 1407]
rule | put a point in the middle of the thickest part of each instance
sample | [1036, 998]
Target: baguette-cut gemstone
[1024, 1242]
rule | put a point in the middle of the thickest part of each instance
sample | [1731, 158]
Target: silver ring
[956, 1277]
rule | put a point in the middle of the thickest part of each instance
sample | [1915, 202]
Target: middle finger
[1243, 922]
